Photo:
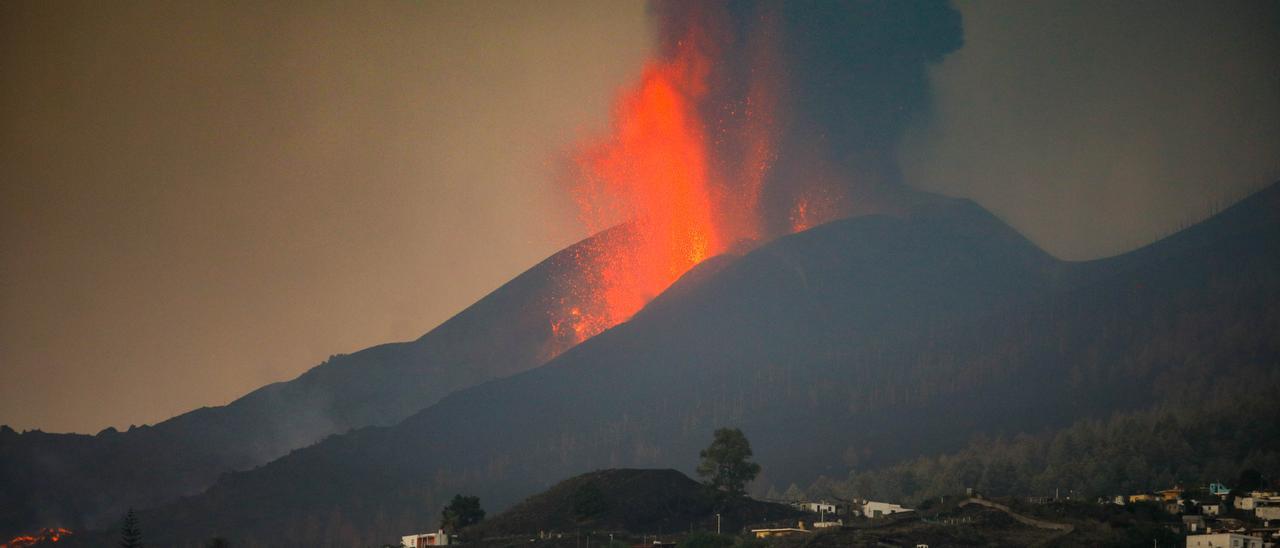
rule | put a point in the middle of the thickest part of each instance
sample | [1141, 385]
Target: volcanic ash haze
[754, 120]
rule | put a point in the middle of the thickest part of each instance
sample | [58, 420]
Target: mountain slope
[859, 343]
[77, 481]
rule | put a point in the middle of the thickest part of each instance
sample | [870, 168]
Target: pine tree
[130, 533]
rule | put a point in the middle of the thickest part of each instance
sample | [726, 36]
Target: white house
[1244, 503]
[1257, 498]
[1266, 508]
[1223, 540]
[1212, 509]
[438, 538]
[874, 509]
[817, 507]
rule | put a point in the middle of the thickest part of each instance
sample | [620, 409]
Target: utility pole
[717, 524]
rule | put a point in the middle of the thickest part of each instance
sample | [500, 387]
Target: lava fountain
[683, 168]
[654, 170]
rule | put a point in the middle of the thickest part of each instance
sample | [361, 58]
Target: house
[1223, 540]
[438, 538]
[874, 509]
[821, 507]
[781, 531]
[1267, 508]
[1256, 499]
[1211, 509]
[1193, 524]
[1170, 494]
[1143, 497]
[827, 524]
[1219, 489]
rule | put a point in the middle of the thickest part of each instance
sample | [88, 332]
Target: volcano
[861, 342]
[80, 481]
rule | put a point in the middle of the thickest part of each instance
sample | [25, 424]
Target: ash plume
[834, 86]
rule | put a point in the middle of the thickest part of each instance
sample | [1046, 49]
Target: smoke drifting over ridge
[212, 197]
[1094, 127]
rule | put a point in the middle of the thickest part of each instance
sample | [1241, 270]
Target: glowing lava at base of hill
[52, 534]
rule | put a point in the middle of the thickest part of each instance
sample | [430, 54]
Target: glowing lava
[655, 171]
[684, 169]
[52, 534]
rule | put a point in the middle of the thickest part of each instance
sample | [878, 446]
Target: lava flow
[51, 534]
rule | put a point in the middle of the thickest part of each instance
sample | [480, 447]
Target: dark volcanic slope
[637, 501]
[867, 340]
[76, 480]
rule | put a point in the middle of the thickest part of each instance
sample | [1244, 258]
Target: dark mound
[631, 500]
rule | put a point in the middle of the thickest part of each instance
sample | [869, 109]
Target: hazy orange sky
[197, 198]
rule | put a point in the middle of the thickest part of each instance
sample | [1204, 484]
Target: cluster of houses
[1211, 518]
[1262, 505]
[828, 516]
[860, 508]
[1218, 518]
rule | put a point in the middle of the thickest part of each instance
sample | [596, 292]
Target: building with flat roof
[1223, 540]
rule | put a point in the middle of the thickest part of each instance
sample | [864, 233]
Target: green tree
[461, 512]
[726, 462]
[218, 542]
[130, 533]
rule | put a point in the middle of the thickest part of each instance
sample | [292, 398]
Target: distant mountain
[857, 344]
[76, 481]
[631, 500]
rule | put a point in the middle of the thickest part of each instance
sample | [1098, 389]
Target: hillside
[80, 481]
[859, 343]
[1175, 443]
[634, 501]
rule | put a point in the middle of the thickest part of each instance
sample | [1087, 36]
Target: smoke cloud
[1095, 126]
[828, 88]
[199, 198]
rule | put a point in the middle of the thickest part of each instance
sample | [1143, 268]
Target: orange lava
[50, 534]
[655, 171]
[685, 188]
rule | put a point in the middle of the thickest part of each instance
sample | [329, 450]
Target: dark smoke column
[809, 100]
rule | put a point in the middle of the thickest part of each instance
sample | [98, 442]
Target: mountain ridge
[880, 322]
[49, 479]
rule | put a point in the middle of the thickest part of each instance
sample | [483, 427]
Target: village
[1212, 516]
